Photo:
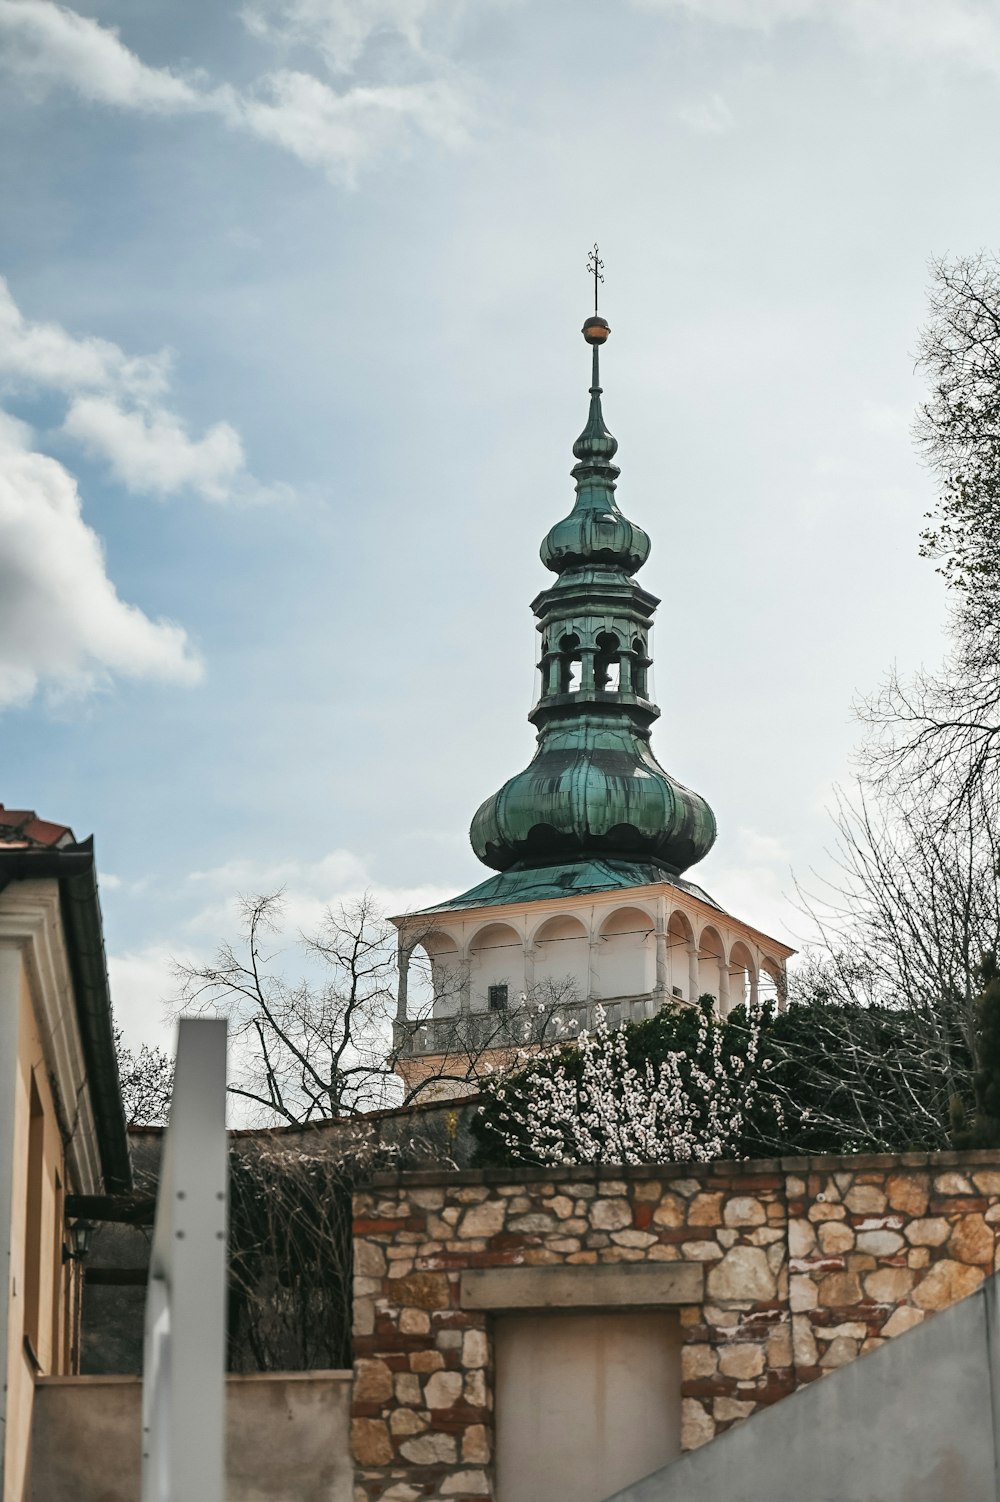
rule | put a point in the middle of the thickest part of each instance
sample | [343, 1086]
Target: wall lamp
[80, 1233]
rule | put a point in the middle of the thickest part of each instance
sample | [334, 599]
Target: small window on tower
[497, 998]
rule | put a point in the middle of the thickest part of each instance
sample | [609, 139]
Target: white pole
[183, 1402]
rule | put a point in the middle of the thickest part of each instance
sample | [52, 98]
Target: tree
[147, 1082]
[326, 1044]
[910, 910]
[943, 727]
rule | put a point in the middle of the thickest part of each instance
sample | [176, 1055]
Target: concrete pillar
[724, 995]
[403, 953]
[694, 980]
[662, 987]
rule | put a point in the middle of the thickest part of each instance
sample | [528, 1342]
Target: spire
[594, 787]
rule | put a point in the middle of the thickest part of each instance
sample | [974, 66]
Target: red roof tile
[22, 829]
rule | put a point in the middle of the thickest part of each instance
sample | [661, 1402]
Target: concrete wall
[286, 1439]
[584, 1402]
[915, 1421]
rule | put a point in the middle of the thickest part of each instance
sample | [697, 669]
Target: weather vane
[596, 268]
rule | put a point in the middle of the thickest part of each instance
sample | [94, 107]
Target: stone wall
[799, 1266]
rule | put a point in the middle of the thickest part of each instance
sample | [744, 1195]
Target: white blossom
[683, 1109]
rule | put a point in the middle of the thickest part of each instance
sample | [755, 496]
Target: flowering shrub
[823, 1077]
[597, 1106]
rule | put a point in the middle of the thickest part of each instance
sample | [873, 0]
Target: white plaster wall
[561, 957]
[585, 1403]
[496, 958]
[625, 955]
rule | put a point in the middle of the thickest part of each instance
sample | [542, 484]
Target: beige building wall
[48, 1148]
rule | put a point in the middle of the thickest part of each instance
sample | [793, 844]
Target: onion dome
[595, 532]
[594, 788]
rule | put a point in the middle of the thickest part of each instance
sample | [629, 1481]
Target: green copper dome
[594, 787]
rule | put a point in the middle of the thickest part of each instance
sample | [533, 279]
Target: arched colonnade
[634, 949]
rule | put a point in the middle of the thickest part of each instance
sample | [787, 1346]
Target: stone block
[945, 1282]
[744, 1210]
[476, 1444]
[705, 1210]
[426, 1361]
[443, 1389]
[669, 1213]
[743, 1274]
[879, 1243]
[474, 1392]
[726, 1410]
[741, 1361]
[404, 1422]
[473, 1483]
[583, 1287]
[987, 1181]
[951, 1184]
[701, 1251]
[697, 1425]
[430, 1449]
[698, 1361]
[835, 1238]
[408, 1389]
[932, 1232]
[610, 1215]
[414, 1322]
[908, 1192]
[838, 1353]
[889, 1285]
[801, 1238]
[803, 1342]
[902, 1319]
[837, 1289]
[475, 1349]
[370, 1442]
[972, 1240]
[369, 1259]
[372, 1382]
[865, 1199]
[485, 1219]
[420, 1290]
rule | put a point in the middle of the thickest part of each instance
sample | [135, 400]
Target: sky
[290, 373]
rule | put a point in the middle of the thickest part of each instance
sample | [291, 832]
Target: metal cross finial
[596, 267]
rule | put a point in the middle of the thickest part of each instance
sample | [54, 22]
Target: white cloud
[151, 452]
[342, 132]
[340, 29]
[50, 46]
[62, 622]
[143, 986]
[45, 355]
[966, 30]
[308, 887]
[118, 412]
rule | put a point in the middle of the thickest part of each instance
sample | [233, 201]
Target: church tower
[590, 905]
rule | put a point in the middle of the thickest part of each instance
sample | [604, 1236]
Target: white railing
[183, 1397]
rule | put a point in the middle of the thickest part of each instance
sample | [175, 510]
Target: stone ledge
[619, 1285]
[732, 1167]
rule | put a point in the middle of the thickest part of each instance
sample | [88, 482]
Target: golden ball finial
[596, 329]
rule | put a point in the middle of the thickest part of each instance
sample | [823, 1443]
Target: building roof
[22, 829]
[571, 879]
[32, 849]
